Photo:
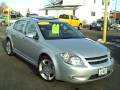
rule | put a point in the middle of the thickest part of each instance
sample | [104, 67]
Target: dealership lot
[16, 74]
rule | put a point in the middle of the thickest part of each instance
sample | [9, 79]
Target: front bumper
[75, 74]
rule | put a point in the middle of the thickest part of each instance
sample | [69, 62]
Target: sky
[24, 5]
[117, 5]
[34, 5]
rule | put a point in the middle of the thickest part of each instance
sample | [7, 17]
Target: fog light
[80, 78]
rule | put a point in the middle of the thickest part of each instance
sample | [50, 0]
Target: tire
[8, 48]
[80, 26]
[46, 69]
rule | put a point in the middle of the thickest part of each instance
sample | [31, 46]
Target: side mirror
[36, 37]
[33, 36]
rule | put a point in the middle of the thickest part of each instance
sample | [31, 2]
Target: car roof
[41, 18]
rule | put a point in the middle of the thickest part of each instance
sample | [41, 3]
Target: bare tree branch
[54, 2]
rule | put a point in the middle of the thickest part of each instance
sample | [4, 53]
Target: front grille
[94, 58]
[97, 60]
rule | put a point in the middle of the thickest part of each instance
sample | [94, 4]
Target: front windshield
[58, 30]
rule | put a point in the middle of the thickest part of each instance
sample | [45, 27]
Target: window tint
[64, 16]
[71, 17]
[74, 17]
[61, 16]
[19, 25]
[30, 28]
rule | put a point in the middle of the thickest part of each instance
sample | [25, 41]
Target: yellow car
[71, 19]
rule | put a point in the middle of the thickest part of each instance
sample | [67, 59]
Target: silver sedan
[58, 50]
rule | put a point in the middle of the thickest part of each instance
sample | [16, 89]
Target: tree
[28, 13]
[55, 2]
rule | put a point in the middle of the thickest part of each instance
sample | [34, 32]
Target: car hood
[84, 47]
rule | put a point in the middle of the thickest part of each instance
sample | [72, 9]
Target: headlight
[72, 59]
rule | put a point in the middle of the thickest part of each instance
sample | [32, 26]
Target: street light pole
[105, 21]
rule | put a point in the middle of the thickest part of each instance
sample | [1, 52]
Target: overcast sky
[34, 5]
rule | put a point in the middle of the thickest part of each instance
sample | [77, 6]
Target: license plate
[102, 71]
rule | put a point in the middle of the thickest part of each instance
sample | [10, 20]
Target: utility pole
[105, 21]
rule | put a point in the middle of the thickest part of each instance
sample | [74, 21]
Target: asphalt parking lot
[16, 74]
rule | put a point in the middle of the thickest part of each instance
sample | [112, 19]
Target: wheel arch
[43, 54]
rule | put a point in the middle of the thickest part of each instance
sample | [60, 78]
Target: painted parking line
[114, 44]
[117, 45]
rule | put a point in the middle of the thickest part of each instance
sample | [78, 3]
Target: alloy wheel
[46, 69]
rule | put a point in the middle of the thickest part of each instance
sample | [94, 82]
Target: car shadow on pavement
[115, 52]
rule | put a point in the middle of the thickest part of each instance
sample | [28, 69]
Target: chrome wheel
[46, 69]
[8, 47]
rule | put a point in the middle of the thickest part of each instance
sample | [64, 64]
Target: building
[86, 10]
[115, 17]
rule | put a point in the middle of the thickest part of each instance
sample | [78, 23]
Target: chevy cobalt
[58, 50]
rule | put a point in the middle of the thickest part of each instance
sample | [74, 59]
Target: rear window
[64, 16]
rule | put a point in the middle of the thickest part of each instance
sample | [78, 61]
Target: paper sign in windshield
[55, 29]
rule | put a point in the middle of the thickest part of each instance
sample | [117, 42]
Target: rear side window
[30, 28]
[61, 16]
[19, 25]
[64, 16]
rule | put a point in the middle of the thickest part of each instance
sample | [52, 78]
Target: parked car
[58, 50]
[71, 19]
[14, 18]
[99, 24]
[2, 21]
[116, 25]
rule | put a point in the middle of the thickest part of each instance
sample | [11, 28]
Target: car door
[31, 45]
[18, 35]
[75, 21]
